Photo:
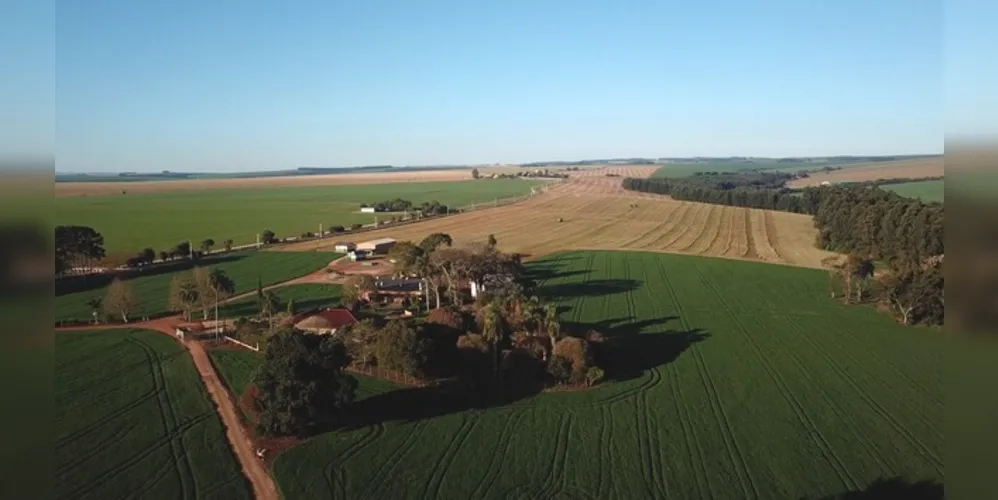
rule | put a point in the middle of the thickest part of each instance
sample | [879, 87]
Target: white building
[367, 210]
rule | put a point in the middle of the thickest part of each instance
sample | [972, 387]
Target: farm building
[356, 255]
[367, 210]
[344, 246]
[399, 284]
[325, 322]
[381, 245]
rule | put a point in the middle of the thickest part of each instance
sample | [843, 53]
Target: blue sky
[226, 86]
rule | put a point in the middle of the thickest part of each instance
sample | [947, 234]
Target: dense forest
[865, 222]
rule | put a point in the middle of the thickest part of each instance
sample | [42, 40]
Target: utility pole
[258, 241]
[320, 230]
[190, 249]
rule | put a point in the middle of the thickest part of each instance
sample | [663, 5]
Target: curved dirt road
[261, 482]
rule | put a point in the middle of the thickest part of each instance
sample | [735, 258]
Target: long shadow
[894, 488]
[627, 353]
[249, 307]
[590, 288]
[83, 283]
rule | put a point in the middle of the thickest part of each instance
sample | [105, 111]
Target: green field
[745, 381]
[927, 191]
[133, 420]
[132, 222]
[306, 297]
[245, 268]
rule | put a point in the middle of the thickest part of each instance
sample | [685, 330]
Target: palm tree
[269, 305]
[552, 327]
[496, 331]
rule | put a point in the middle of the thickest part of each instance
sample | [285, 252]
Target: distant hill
[170, 176]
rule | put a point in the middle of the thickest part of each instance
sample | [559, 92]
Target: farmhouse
[344, 247]
[379, 246]
[325, 322]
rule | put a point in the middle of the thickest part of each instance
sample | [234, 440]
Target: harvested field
[927, 167]
[741, 380]
[599, 214]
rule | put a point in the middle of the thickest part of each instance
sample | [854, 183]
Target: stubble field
[928, 167]
[133, 420]
[743, 381]
[593, 212]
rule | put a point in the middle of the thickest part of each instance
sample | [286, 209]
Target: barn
[378, 246]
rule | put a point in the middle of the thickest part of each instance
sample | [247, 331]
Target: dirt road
[253, 468]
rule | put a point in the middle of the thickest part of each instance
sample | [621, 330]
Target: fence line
[230, 339]
[381, 373]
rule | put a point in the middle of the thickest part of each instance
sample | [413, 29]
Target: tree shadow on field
[895, 488]
[83, 283]
[627, 353]
[590, 288]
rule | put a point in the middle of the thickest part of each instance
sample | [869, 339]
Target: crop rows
[132, 419]
[748, 383]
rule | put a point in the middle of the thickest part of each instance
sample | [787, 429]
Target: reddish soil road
[253, 468]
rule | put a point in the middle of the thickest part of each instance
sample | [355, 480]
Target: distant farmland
[924, 190]
[133, 420]
[924, 167]
[745, 381]
[131, 222]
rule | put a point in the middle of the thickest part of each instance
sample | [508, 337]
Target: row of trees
[862, 221]
[201, 289]
[399, 205]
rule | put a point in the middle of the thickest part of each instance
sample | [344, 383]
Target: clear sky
[223, 85]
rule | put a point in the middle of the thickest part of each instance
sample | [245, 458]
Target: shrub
[594, 376]
[337, 229]
[354, 227]
[268, 237]
[400, 348]
[575, 350]
[560, 369]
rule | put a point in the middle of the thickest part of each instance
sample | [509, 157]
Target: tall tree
[95, 304]
[475, 174]
[206, 245]
[184, 295]
[122, 299]
[492, 241]
[228, 245]
[302, 385]
[435, 241]
[213, 286]
[270, 304]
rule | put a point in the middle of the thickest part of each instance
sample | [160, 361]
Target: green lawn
[245, 268]
[745, 381]
[927, 191]
[133, 420]
[132, 222]
[306, 297]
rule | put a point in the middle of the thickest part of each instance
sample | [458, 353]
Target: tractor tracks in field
[723, 423]
[502, 447]
[442, 467]
[886, 415]
[795, 405]
[334, 473]
[393, 460]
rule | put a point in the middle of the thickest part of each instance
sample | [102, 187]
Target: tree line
[400, 205]
[866, 223]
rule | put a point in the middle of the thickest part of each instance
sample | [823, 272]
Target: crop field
[927, 191]
[743, 380]
[133, 420]
[135, 221]
[923, 167]
[244, 268]
[595, 213]
[307, 297]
